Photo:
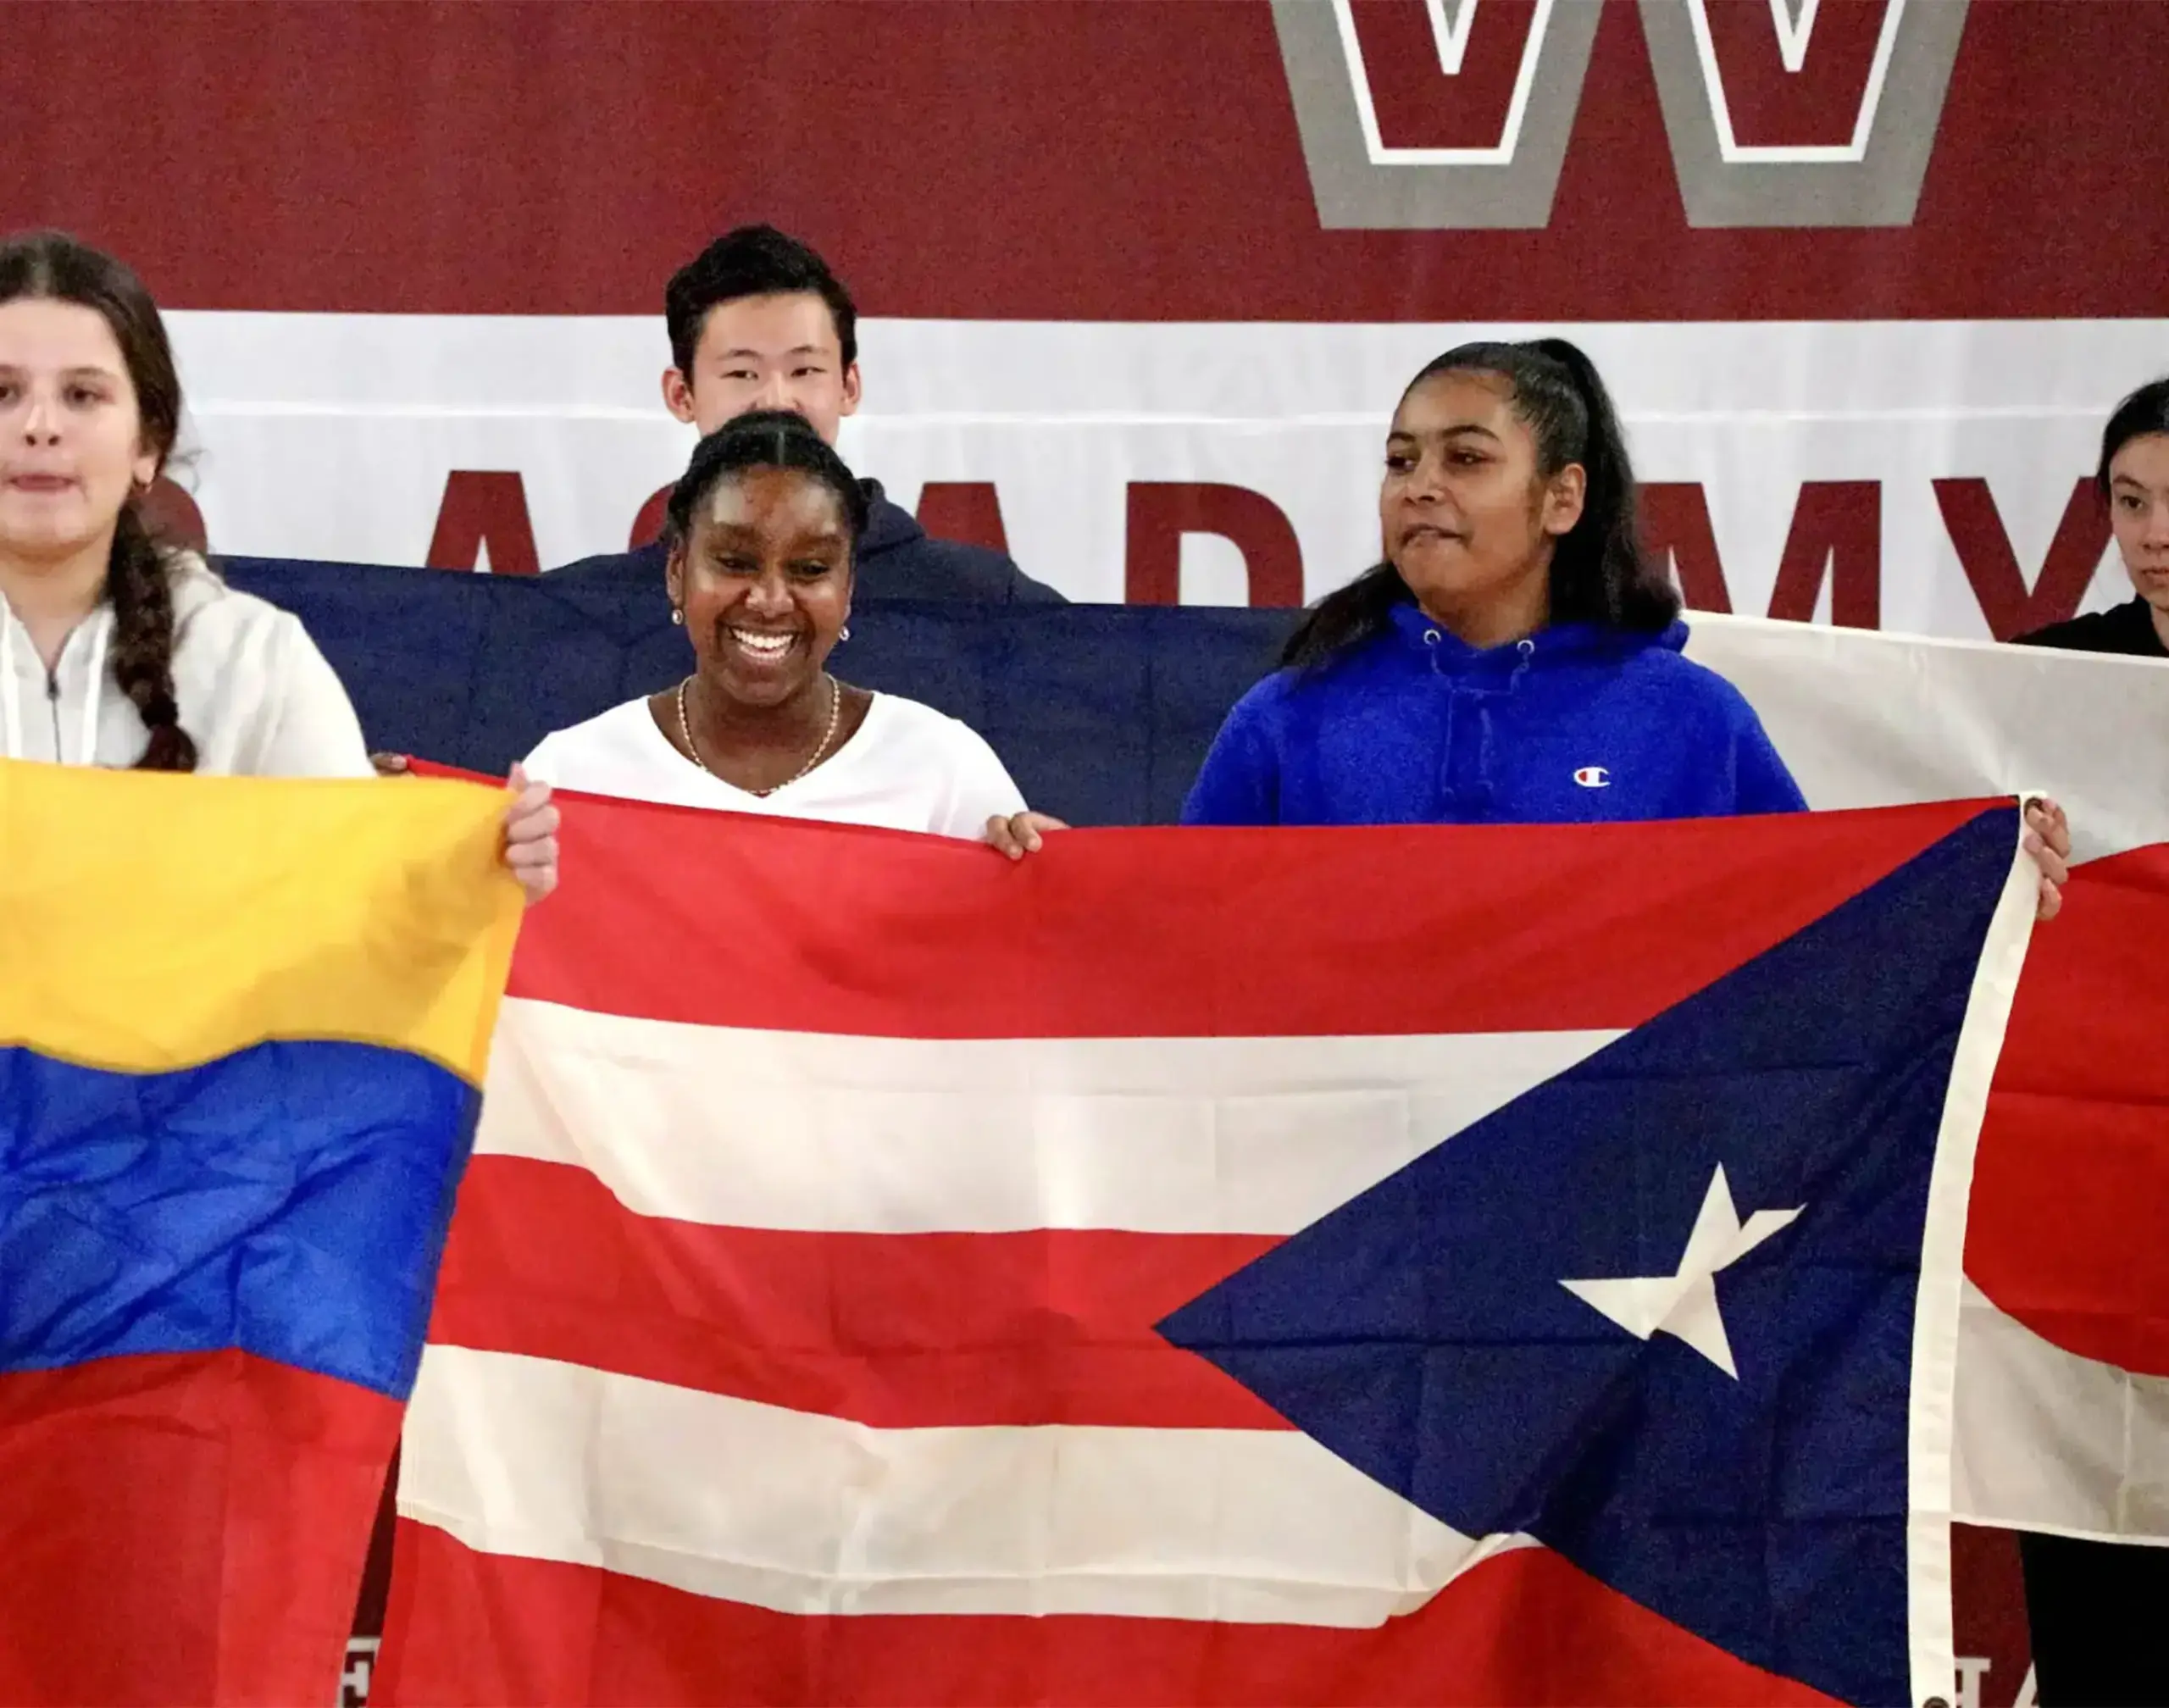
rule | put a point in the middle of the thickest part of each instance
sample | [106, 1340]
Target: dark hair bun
[765, 438]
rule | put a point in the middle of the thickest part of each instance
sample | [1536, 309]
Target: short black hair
[752, 261]
[763, 439]
[2145, 411]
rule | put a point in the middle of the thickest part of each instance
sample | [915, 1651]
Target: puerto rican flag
[1516, 1264]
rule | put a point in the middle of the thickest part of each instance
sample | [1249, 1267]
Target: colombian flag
[243, 1025]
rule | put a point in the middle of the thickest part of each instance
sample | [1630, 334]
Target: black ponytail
[54, 267]
[1599, 572]
[1346, 618]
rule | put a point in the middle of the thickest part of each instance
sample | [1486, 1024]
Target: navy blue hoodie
[1578, 723]
[897, 559]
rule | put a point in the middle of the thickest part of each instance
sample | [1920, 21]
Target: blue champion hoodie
[1578, 723]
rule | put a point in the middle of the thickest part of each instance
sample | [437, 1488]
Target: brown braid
[141, 586]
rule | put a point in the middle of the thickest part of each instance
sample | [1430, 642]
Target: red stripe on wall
[1052, 1326]
[1525, 1628]
[1181, 932]
[1064, 160]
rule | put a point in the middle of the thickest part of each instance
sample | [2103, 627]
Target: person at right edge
[2094, 1606]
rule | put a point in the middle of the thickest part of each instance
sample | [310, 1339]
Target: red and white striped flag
[889, 1273]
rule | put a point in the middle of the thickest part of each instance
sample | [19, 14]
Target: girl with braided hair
[117, 648]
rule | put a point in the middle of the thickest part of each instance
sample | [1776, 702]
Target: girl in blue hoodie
[1516, 658]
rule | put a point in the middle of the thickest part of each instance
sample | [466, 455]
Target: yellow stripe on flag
[152, 922]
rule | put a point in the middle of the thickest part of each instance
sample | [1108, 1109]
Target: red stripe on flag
[896, 1330]
[184, 1528]
[1524, 1627]
[1184, 933]
[2070, 1192]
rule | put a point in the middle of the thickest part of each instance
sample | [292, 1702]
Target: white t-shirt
[907, 768]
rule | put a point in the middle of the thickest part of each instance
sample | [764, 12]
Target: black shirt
[2127, 629]
[2093, 1607]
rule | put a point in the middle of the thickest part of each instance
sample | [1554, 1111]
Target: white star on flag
[1684, 1304]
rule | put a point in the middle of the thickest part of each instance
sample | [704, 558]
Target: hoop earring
[843, 634]
[678, 615]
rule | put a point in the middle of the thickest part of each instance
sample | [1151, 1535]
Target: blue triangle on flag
[1421, 1330]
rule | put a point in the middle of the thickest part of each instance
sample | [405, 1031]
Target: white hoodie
[253, 691]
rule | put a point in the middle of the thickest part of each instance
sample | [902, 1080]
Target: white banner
[1822, 443]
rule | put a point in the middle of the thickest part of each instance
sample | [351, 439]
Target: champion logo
[1593, 777]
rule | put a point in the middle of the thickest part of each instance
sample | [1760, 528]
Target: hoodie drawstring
[1465, 782]
[1481, 792]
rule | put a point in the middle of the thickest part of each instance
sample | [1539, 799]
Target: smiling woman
[762, 536]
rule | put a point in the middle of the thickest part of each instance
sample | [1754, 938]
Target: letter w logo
[1454, 114]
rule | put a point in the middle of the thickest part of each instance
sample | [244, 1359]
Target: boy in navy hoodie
[757, 321]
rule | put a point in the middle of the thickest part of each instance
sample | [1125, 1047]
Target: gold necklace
[836, 715]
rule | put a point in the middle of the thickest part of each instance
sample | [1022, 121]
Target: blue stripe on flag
[289, 1200]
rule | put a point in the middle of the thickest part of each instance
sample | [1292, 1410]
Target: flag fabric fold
[2063, 1386]
[243, 1029]
[1516, 1264]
